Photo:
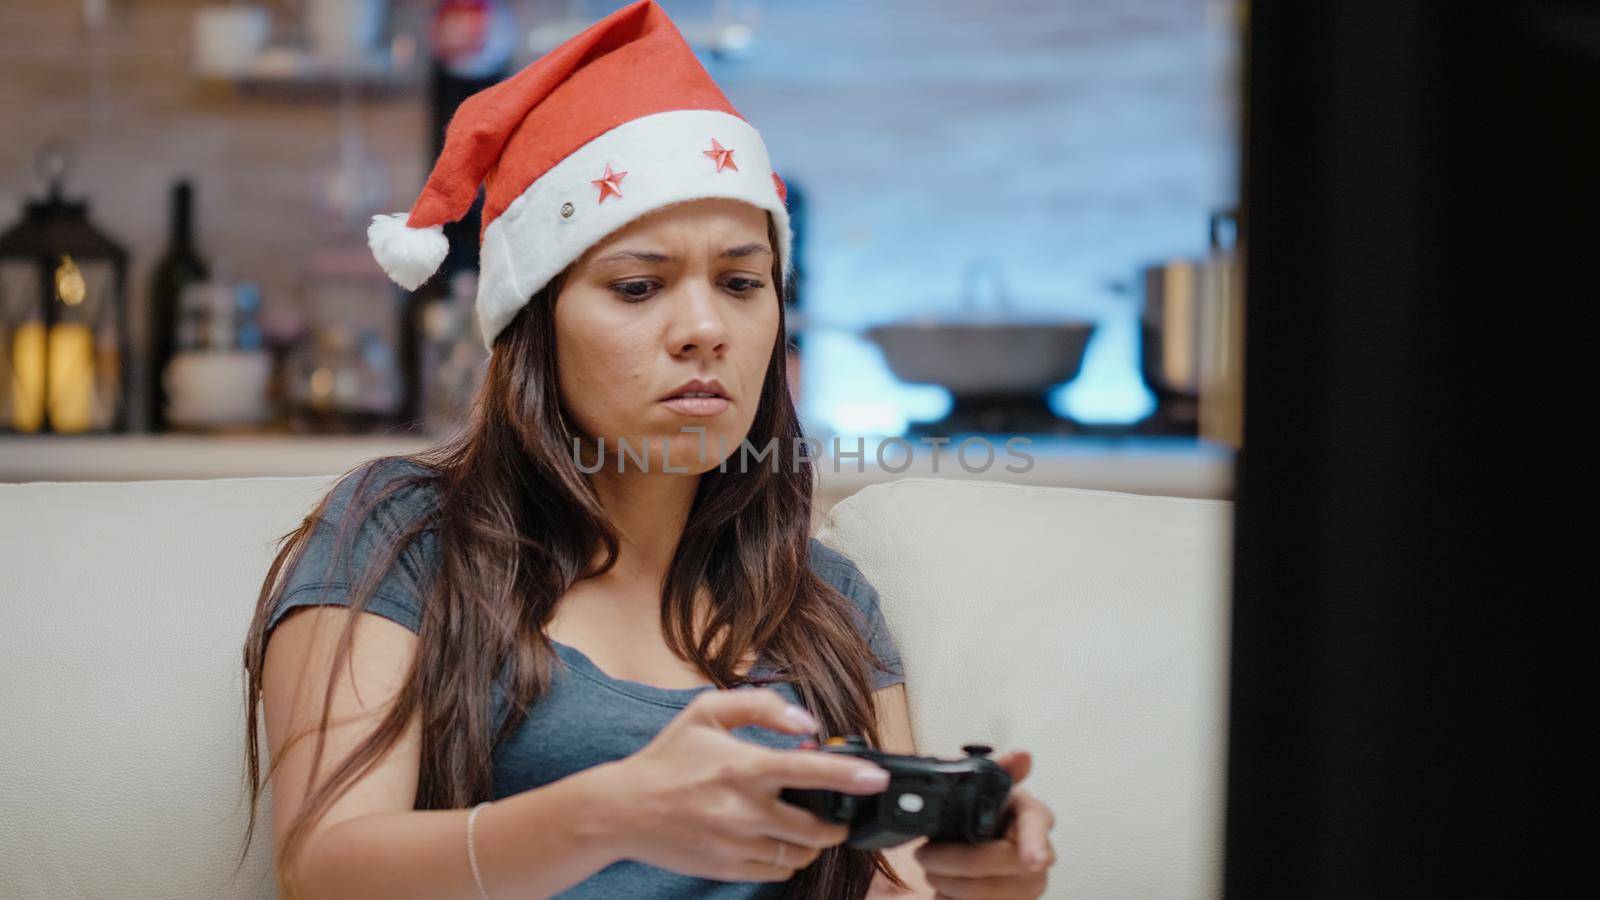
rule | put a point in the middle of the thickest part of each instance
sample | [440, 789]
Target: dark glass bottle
[179, 265]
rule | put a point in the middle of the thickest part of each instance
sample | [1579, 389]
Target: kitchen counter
[1166, 466]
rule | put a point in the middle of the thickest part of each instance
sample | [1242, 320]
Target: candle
[71, 377]
[27, 376]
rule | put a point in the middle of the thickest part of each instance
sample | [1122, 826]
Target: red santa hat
[618, 121]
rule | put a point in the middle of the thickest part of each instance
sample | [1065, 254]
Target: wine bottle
[179, 265]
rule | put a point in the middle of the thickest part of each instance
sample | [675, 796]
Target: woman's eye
[635, 291]
[632, 291]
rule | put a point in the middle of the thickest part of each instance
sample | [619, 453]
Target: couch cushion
[122, 624]
[1087, 627]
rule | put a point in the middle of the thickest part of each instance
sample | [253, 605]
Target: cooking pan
[986, 349]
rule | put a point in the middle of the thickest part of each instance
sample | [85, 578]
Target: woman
[581, 670]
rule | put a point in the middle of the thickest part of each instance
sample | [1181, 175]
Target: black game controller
[960, 800]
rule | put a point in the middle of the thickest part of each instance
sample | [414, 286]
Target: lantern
[63, 317]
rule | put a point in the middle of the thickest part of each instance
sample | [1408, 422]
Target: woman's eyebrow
[653, 257]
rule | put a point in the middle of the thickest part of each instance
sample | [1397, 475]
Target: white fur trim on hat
[528, 244]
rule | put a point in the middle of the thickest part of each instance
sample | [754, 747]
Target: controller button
[977, 749]
[911, 803]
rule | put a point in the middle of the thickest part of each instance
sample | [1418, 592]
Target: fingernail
[802, 718]
[875, 778]
[1035, 860]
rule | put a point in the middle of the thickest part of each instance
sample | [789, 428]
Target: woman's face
[683, 293]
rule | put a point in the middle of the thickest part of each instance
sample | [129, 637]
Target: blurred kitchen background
[1013, 217]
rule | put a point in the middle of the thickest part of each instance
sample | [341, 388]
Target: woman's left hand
[1016, 865]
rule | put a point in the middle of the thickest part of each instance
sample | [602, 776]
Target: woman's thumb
[730, 709]
[1017, 763]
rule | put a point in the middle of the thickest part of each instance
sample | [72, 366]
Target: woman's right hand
[700, 801]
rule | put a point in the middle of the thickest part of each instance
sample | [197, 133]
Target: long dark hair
[516, 524]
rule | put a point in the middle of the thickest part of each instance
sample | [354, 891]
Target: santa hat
[618, 121]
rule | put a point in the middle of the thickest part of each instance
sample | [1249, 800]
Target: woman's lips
[697, 406]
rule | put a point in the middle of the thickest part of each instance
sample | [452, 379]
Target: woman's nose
[697, 323]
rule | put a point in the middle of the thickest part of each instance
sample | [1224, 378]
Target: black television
[1413, 610]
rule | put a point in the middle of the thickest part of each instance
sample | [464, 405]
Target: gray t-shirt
[586, 717]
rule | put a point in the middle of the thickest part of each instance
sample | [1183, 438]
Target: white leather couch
[1087, 627]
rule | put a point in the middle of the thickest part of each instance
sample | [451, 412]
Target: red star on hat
[608, 184]
[722, 155]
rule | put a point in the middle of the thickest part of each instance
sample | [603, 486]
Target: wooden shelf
[286, 73]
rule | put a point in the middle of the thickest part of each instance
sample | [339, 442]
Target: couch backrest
[123, 609]
[1087, 627]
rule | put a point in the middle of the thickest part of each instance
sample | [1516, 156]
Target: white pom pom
[408, 255]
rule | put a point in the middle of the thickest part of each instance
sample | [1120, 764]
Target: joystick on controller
[962, 800]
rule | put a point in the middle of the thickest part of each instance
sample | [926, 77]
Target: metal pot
[1190, 306]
